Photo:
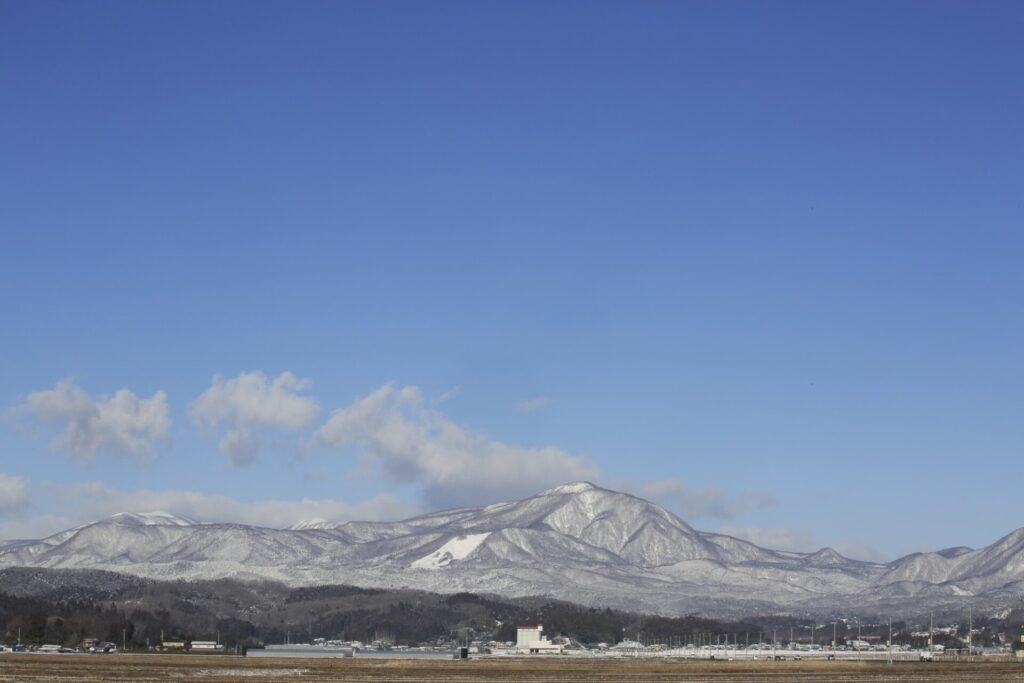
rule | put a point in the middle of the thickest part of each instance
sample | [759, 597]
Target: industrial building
[531, 640]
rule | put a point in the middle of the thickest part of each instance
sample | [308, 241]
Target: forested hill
[64, 606]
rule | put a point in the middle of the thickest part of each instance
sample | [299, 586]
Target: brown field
[146, 668]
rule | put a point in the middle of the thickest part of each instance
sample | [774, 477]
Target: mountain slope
[577, 542]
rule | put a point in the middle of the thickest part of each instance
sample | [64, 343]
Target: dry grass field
[147, 668]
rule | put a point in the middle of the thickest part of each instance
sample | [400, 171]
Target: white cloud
[917, 548]
[69, 505]
[861, 551]
[702, 502]
[122, 423]
[659, 488]
[532, 405]
[13, 493]
[39, 526]
[88, 501]
[453, 464]
[241, 446]
[249, 403]
[449, 395]
[774, 537]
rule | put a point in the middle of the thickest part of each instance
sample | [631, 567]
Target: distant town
[841, 639]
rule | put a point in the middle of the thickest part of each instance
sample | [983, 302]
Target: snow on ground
[155, 518]
[456, 549]
[317, 523]
[575, 487]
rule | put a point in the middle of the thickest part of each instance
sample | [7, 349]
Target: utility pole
[890, 639]
[833, 637]
[970, 628]
[124, 640]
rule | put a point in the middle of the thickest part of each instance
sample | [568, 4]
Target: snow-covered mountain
[577, 542]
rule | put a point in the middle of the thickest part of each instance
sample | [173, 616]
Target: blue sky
[759, 261]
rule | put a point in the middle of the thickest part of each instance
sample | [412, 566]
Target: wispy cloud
[774, 537]
[801, 541]
[694, 503]
[449, 395]
[95, 500]
[35, 526]
[860, 551]
[69, 505]
[454, 465]
[120, 424]
[249, 403]
[532, 405]
[13, 493]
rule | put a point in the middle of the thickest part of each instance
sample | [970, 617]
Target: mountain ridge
[578, 542]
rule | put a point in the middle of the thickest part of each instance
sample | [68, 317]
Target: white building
[531, 639]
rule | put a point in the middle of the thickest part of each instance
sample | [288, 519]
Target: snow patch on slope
[574, 487]
[315, 524]
[156, 518]
[456, 549]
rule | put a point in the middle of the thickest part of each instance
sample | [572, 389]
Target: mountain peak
[155, 518]
[827, 556]
[573, 487]
[576, 541]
